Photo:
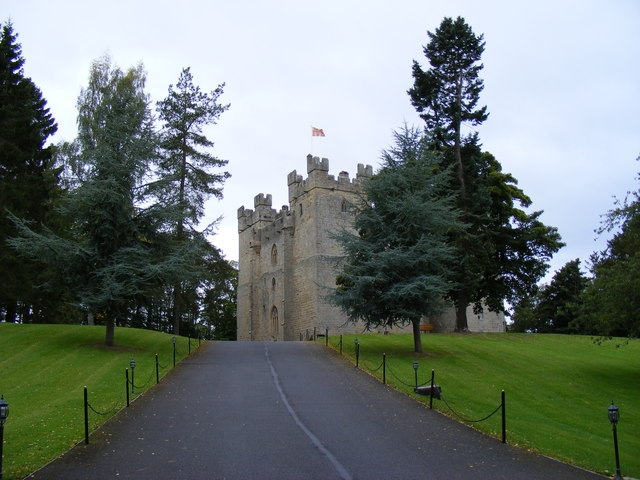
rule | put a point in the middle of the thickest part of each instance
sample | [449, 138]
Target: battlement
[318, 177]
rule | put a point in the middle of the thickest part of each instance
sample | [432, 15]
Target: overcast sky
[561, 80]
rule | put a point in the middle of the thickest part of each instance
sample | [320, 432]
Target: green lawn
[43, 371]
[558, 388]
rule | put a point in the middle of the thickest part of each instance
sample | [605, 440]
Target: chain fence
[434, 391]
[118, 403]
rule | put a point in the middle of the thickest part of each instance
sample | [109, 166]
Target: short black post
[189, 343]
[340, 344]
[4, 413]
[174, 350]
[384, 368]
[415, 373]
[157, 370]
[86, 416]
[326, 336]
[1, 442]
[357, 352]
[126, 374]
[433, 373]
[504, 419]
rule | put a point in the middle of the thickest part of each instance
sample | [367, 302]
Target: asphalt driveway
[289, 410]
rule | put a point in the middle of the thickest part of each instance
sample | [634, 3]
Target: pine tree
[502, 250]
[188, 174]
[397, 260]
[28, 177]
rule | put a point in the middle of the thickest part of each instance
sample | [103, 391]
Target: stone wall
[287, 260]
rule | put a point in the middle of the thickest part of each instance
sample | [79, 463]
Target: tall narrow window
[275, 326]
[274, 255]
[344, 206]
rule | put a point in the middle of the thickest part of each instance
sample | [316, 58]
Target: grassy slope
[558, 388]
[43, 370]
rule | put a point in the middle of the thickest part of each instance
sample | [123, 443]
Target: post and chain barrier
[117, 405]
[434, 390]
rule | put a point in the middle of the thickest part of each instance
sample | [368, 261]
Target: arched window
[274, 255]
[344, 206]
[273, 283]
[275, 325]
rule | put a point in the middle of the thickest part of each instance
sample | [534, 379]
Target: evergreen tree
[397, 261]
[188, 174]
[555, 307]
[28, 180]
[107, 256]
[611, 301]
[502, 251]
[446, 95]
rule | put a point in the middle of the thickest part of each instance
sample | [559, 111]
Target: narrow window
[274, 321]
[274, 255]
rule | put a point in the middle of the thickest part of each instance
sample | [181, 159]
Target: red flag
[316, 132]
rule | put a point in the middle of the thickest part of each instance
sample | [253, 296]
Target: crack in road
[342, 471]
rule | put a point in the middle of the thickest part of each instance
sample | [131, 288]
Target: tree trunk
[461, 312]
[177, 308]
[111, 329]
[417, 339]
[11, 313]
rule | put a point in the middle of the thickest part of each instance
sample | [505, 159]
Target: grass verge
[43, 371]
[558, 388]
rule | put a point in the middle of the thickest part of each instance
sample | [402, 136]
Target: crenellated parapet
[318, 177]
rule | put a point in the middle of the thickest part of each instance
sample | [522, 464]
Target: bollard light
[4, 410]
[132, 365]
[415, 373]
[4, 413]
[614, 416]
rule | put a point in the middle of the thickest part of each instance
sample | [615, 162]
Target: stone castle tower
[287, 260]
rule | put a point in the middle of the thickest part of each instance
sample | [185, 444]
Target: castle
[288, 258]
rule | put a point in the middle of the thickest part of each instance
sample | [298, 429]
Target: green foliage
[558, 388]
[186, 168]
[28, 182]
[447, 94]
[503, 250]
[219, 311]
[185, 173]
[555, 307]
[397, 260]
[128, 252]
[44, 370]
[612, 298]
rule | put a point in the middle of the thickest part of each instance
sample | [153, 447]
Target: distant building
[287, 261]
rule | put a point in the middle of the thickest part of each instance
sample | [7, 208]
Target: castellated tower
[287, 260]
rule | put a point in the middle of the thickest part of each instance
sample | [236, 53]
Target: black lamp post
[614, 416]
[4, 413]
[415, 373]
[132, 364]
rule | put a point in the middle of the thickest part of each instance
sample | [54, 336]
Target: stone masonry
[287, 260]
